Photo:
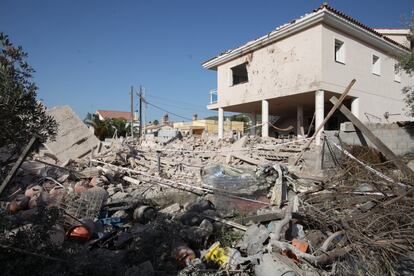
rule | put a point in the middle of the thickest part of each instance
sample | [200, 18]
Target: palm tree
[100, 128]
[120, 125]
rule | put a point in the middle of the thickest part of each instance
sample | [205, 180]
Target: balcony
[213, 96]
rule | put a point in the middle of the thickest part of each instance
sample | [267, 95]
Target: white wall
[305, 62]
[289, 66]
[377, 94]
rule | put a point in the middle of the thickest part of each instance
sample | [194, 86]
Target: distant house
[112, 114]
[189, 128]
[165, 124]
[151, 128]
[198, 127]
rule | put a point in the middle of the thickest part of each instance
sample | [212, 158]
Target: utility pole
[140, 111]
[132, 112]
[144, 116]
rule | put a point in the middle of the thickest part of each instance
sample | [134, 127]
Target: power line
[169, 112]
[175, 100]
[176, 105]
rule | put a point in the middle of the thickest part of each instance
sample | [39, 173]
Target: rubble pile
[202, 206]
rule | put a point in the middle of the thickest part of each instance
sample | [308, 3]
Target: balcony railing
[213, 96]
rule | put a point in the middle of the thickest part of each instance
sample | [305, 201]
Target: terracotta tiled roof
[112, 114]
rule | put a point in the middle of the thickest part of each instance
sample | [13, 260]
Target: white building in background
[288, 76]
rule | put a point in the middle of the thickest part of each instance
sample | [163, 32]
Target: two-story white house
[290, 74]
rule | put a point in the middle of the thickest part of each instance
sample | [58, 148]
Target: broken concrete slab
[261, 218]
[174, 208]
[254, 238]
[272, 264]
[74, 139]
[235, 148]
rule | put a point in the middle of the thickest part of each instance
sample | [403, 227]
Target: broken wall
[289, 66]
[399, 139]
[73, 139]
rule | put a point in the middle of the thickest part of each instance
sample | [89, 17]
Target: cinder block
[347, 127]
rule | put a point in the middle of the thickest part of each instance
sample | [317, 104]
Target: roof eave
[322, 15]
[285, 31]
[382, 43]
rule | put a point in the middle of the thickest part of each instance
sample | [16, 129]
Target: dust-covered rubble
[202, 206]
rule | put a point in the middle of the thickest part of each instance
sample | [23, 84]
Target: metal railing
[213, 96]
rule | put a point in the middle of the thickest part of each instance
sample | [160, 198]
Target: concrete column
[220, 123]
[253, 121]
[265, 118]
[319, 113]
[355, 107]
[299, 118]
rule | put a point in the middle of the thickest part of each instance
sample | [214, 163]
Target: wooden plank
[261, 218]
[279, 155]
[377, 142]
[331, 112]
[75, 173]
[248, 159]
[167, 184]
[17, 164]
[310, 177]
[227, 222]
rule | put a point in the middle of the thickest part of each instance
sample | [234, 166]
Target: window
[239, 74]
[397, 73]
[339, 51]
[376, 65]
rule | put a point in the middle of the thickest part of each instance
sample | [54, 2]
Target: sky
[88, 54]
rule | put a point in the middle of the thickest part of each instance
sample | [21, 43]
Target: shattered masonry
[207, 206]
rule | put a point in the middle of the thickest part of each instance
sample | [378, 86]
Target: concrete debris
[74, 139]
[199, 206]
[273, 265]
[172, 209]
[254, 238]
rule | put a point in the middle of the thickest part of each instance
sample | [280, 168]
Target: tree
[106, 128]
[22, 115]
[155, 122]
[100, 128]
[406, 64]
[242, 118]
[120, 125]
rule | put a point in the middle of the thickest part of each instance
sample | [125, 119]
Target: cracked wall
[286, 67]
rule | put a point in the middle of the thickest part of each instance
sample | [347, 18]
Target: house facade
[287, 77]
[198, 127]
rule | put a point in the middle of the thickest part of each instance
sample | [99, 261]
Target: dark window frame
[339, 52]
[239, 74]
